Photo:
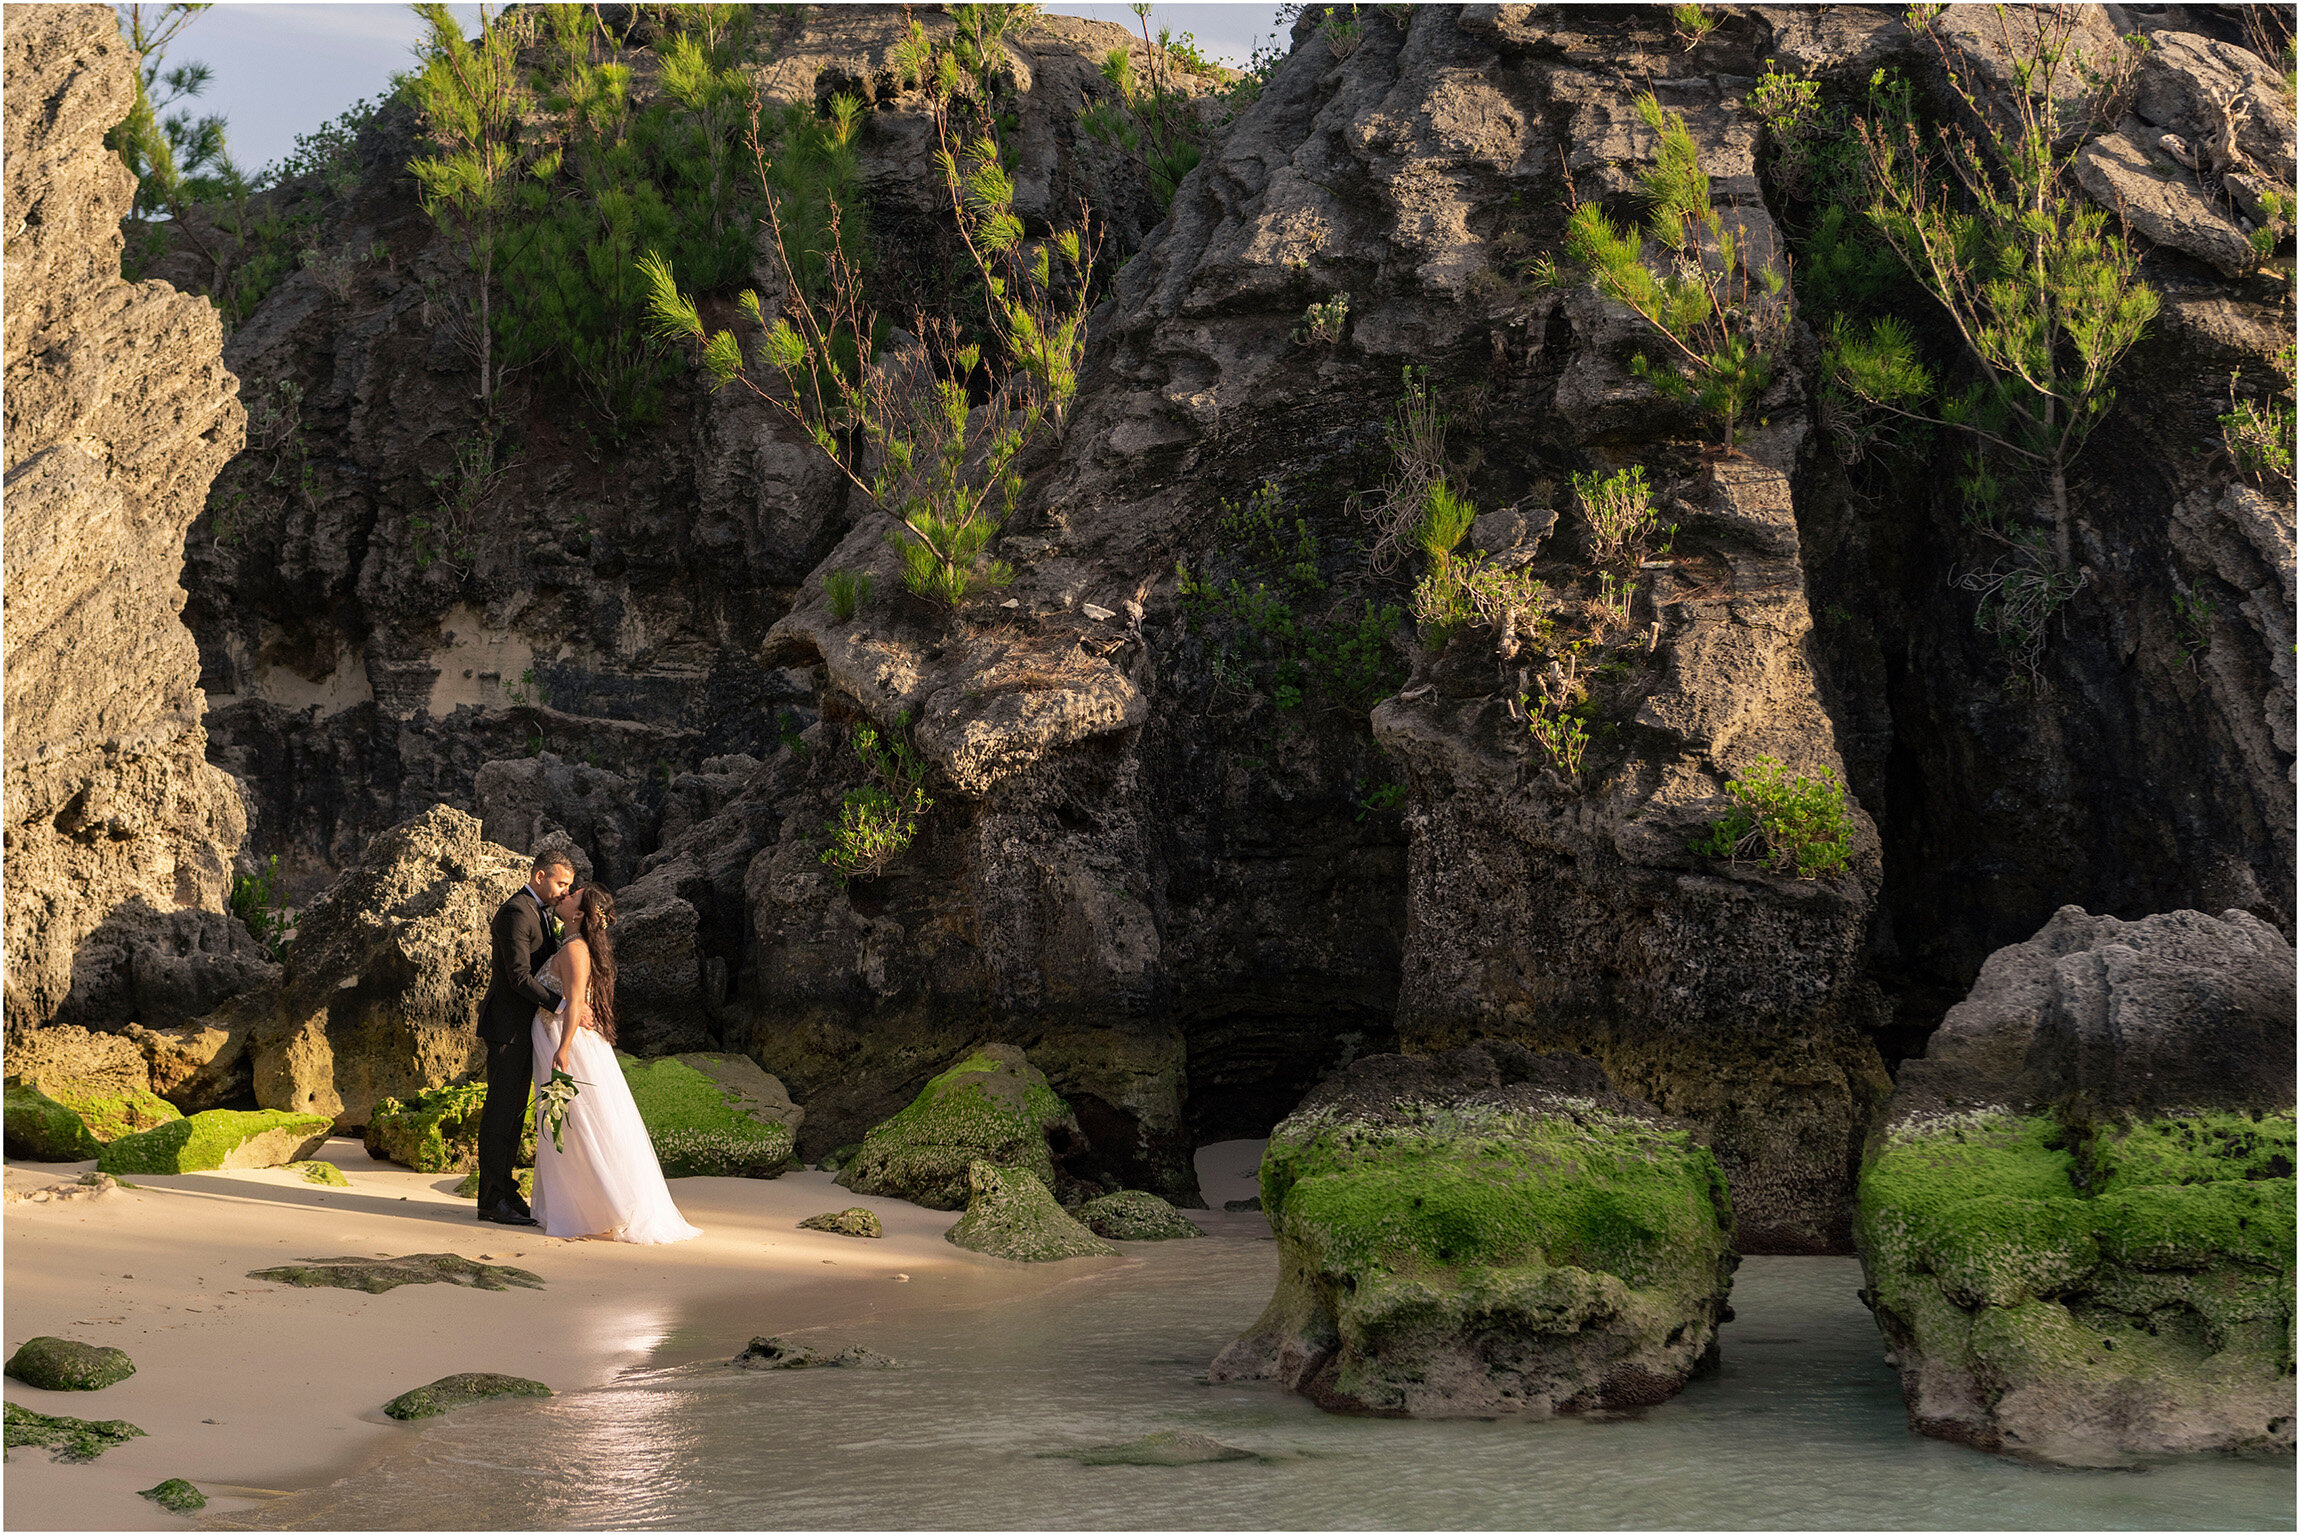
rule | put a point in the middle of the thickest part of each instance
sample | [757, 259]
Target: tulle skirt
[606, 1182]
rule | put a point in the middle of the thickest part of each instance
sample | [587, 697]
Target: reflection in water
[1802, 1429]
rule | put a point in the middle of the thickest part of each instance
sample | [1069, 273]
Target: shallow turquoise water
[1803, 1429]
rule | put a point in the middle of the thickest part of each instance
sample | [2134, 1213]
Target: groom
[525, 937]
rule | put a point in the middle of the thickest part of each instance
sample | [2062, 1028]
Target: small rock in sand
[453, 1391]
[60, 1364]
[176, 1495]
[783, 1354]
[854, 1221]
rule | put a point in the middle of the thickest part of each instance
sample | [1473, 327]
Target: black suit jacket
[522, 944]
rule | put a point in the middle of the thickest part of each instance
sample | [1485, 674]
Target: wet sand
[250, 1389]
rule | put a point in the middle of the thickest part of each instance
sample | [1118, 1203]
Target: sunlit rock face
[119, 413]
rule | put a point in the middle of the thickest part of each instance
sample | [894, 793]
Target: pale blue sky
[283, 69]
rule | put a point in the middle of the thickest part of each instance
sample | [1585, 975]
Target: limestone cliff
[1210, 820]
[119, 414]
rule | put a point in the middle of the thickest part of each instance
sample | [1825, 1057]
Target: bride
[606, 1183]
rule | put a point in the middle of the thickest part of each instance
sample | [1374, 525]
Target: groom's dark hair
[552, 860]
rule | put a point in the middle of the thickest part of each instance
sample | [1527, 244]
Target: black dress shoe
[503, 1214]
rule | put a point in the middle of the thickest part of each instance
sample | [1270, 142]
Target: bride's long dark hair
[597, 910]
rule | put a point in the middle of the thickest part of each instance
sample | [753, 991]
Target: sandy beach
[250, 1389]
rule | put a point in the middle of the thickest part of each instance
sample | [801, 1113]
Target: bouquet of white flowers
[552, 1101]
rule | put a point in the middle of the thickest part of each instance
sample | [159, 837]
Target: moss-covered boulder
[110, 1116]
[1133, 1216]
[437, 1131]
[60, 1364]
[1012, 1215]
[2087, 1292]
[854, 1221]
[72, 1439]
[713, 1116]
[452, 1391]
[1451, 1244]
[992, 1106]
[177, 1496]
[376, 1275]
[218, 1138]
[2077, 1215]
[324, 1172]
[39, 1129]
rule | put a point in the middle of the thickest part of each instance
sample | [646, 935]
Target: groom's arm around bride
[522, 943]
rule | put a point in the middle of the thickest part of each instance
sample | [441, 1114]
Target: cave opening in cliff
[1251, 1062]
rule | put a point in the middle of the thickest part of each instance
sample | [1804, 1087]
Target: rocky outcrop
[1010, 1214]
[993, 1106]
[119, 414]
[2077, 1220]
[1456, 1240]
[381, 993]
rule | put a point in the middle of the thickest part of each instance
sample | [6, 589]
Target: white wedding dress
[606, 1183]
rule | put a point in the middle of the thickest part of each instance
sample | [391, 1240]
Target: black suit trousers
[510, 1078]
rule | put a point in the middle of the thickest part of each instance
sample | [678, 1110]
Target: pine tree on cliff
[2045, 297]
[469, 95]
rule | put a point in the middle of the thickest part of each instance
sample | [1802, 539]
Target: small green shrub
[878, 820]
[847, 592]
[1619, 510]
[1791, 825]
[1446, 516]
[256, 900]
[1563, 738]
[1289, 633]
[1322, 323]
[1692, 24]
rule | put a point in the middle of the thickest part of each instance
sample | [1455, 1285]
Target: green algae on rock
[1012, 1215]
[992, 1106]
[60, 1364]
[437, 1131]
[176, 1495]
[452, 1391]
[376, 1275]
[72, 1439]
[39, 1129]
[709, 1117]
[1452, 1245]
[2086, 1294]
[1131, 1215]
[322, 1172]
[854, 1221]
[218, 1138]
